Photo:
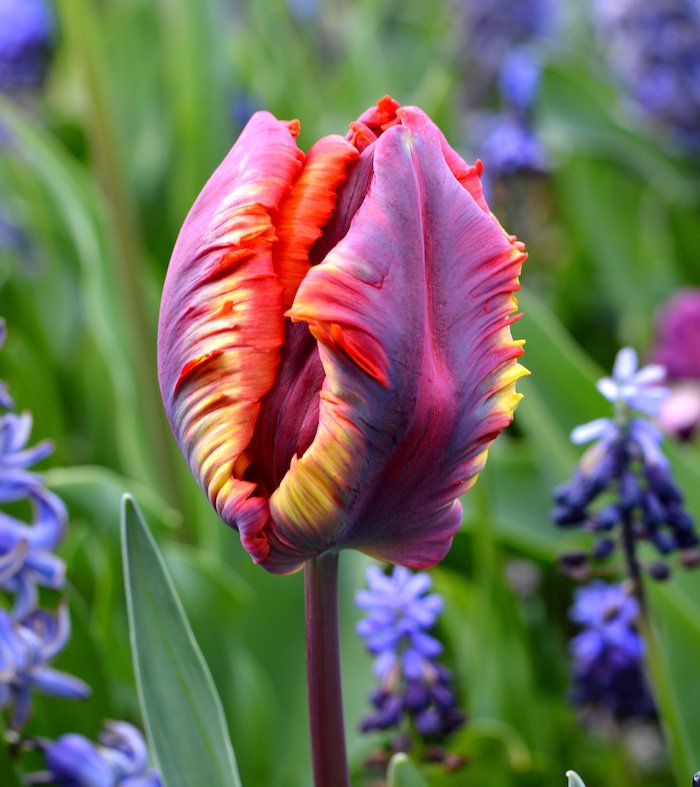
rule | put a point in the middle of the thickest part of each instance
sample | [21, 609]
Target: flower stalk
[633, 567]
[323, 672]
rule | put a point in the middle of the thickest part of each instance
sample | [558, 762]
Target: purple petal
[59, 684]
[74, 759]
[426, 645]
[411, 310]
[12, 560]
[626, 363]
[593, 430]
[609, 388]
[385, 663]
[651, 374]
[417, 584]
[412, 661]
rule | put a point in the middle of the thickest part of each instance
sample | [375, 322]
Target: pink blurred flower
[677, 348]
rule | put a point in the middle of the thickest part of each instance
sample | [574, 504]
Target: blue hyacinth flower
[623, 487]
[412, 685]
[120, 759]
[608, 652]
[26, 650]
[26, 38]
[26, 549]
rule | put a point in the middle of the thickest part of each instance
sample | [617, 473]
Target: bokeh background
[587, 118]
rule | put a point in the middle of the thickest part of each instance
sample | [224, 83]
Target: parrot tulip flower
[335, 354]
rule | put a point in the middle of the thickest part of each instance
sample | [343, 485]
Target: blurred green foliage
[144, 100]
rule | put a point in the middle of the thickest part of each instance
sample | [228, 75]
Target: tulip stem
[323, 673]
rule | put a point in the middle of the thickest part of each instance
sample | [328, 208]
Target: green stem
[323, 673]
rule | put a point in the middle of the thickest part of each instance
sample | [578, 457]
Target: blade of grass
[181, 707]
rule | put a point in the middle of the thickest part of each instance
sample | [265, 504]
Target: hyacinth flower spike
[623, 488]
[26, 550]
[608, 653]
[335, 353]
[626, 459]
[414, 689]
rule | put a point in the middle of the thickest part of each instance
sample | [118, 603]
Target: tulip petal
[221, 323]
[411, 310]
[307, 208]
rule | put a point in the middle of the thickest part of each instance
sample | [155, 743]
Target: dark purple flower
[119, 760]
[26, 650]
[654, 50]
[412, 684]
[607, 653]
[26, 35]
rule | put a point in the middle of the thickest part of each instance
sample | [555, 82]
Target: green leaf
[402, 773]
[574, 779]
[181, 708]
[7, 769]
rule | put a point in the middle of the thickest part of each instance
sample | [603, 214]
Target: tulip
[334, 347]
[335, 354]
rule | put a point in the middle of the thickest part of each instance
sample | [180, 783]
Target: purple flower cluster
[26, 36]
[502, 39]
[119, 760]
[677, 349]
[608, 652]
[627, 469]
[654, 50]
[495, 28]
[29, 637]
[412, 685]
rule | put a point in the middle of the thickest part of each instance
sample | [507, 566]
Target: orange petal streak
[307, 209]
